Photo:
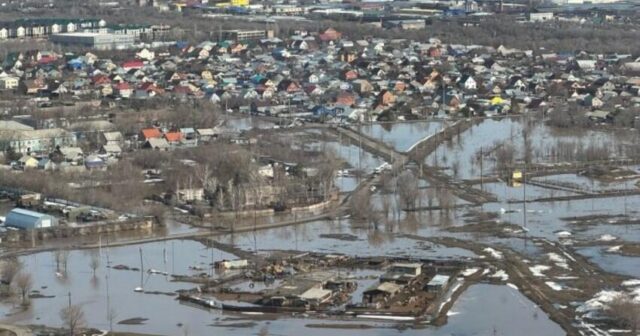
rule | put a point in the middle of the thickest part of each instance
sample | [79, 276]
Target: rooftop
[25, 212]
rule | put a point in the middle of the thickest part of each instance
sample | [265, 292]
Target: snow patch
[631, 283]
[453, 291]
[563, 234]
[599, 301]
[614, 249]
[554, 285]
[558, 260]
[607, 238]
[388, 317]
[500, 274]
[513, 286]
[470, 271]
[538, 269]
[495, 254]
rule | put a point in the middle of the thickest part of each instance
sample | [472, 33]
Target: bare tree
[431, 195]
[360, 205]
[408, 190]
[10, 268]
[61, 257]
[94, 263]
[626, 312]
[73, 318]
[24, 283]
[204, 174]
[455, 169]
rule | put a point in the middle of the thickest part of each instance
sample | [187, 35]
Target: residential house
[112, 138]
[72, 155]
[189, 137]
[205, 135]
[157, 144]
[174, 138]
[468, 83]
[123, 89]
[330, 35]
[111, 150]
[150, 133]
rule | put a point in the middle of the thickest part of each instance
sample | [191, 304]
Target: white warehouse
[98, 41]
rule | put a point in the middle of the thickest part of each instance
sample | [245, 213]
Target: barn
[28, 220]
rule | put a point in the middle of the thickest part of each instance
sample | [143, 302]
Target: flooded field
[110, 288]
[613, 263]
[356, 157]
[482, 310]
[342, 237]
[511, 314]
[490, 135]
[587, 184]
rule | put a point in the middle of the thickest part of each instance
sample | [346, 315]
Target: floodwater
[482, 310]
[401, 136]
[113, 289]
[613, 263]
[490, 134]
[510, 313]
[359, 241]
[588, 184]
[356, 157]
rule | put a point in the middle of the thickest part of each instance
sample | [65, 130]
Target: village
[155, 179]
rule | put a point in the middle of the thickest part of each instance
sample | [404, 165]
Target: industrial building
[98, 41]
[243, 35]
[29, 220]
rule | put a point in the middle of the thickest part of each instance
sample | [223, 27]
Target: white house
[469, 83]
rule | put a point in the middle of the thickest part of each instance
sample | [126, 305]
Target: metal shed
[437, 283]
[28, 220]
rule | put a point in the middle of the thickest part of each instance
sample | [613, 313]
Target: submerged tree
[24, 283]
[73, 318]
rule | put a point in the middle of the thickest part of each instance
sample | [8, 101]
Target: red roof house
[135, 64]
[330, 35]
[151, 133]
[173, 137]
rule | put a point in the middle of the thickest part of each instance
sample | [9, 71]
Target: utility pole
[481, 169]
[524, 196]
[141, 269]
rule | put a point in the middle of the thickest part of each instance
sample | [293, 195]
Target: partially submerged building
[380, 292]
[402, 273]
